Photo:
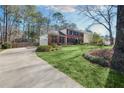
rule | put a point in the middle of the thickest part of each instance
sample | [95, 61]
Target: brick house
[63, 37]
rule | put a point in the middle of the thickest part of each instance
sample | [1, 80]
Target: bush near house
[44, 48]
[54, 47]
[6, 46]
[47, 48]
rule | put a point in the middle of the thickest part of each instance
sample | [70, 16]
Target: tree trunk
[24, 29]
[6, 24]
[118, 56]
[4, 18]
[0, 34]
[111, 38]
[28, 31]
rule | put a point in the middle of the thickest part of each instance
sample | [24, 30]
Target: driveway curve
[21, 68]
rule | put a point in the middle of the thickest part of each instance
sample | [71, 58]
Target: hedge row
[98, 60]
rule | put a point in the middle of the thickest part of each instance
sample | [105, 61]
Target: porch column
[58, 39]
[49, 39]
[65, 40]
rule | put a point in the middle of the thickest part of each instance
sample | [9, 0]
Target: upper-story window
[77, 33]
[74, 33]
[70, 32]
[67, 32]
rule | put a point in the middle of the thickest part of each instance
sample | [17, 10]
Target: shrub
[97, 39]
[54, 45]
[52, 49]
[98, 60]
[6, 46]
[45, 48]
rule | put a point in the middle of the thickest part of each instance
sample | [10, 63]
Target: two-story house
[63, 37]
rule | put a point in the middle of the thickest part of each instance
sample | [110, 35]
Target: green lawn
[70, 61]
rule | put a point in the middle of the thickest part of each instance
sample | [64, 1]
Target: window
[70, 32]
[74, 33]
[67, 32]
[61, 39]
[77, 33]
[54, 39]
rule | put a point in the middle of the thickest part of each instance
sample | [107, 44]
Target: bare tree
[102, 15]
[9, 16]
[5, 26]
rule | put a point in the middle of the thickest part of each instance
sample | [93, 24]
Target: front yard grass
[70, 61]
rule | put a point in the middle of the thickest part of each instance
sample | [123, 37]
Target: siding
[44, 40]
[87, 37]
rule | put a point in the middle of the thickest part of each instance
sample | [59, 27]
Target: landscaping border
[95, 59]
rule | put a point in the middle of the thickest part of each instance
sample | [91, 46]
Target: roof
[61, 33]
[53, 32]
[64, 31]
[76, 30]
[87, 32]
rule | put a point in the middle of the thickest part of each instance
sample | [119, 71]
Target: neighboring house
[88, 36]
[106, 41]
[65, 37]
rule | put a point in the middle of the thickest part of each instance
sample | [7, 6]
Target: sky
[72, 15]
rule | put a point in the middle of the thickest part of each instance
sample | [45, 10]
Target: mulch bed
[101, 57]
[107, 54]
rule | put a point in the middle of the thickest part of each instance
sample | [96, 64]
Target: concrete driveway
[21, 68]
